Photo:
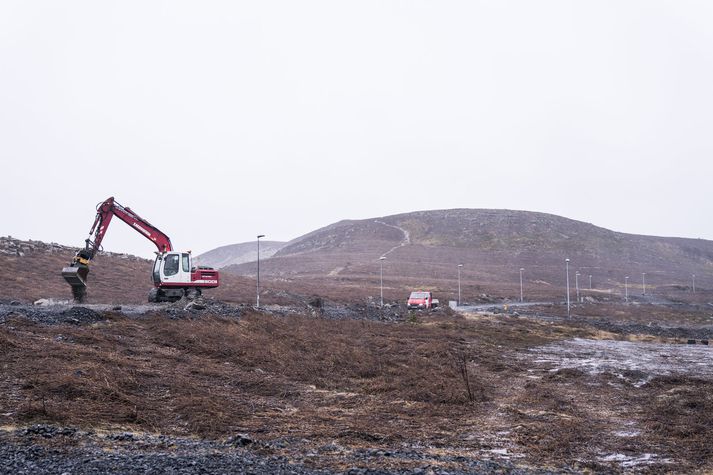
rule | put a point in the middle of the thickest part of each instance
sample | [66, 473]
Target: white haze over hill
[218, 121]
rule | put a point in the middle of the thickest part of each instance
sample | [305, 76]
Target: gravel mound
[81, 316]
[202, 305]
[52, 315]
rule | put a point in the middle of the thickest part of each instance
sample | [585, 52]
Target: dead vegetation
[163, 374]
[446, 383]
[681, 409]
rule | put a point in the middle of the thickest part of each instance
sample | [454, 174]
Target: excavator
[174, 275]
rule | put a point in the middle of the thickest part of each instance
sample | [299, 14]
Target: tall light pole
[694, 282]
[459, 268]
[590, 281]
[381, 278]
[258, 268]
[566, 266]
[576, 284]
[626, 288]
[643, 281]
[521, 269]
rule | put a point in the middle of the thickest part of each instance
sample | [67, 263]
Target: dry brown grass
[209, 375]
[360, 383]
[681, 409]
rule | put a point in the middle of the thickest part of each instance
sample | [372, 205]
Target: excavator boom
[77, 272]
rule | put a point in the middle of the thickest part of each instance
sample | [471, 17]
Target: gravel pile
[56, 312]
[390, 312]
[52, 315]
[202, 305]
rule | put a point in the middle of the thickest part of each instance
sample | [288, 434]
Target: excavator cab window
[186, 261]
[170, 266]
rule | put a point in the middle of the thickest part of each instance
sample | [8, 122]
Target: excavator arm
[77, 272]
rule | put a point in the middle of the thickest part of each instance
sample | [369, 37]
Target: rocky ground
[45, 448]
[52, 449]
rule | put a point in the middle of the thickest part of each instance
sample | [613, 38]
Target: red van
[421, 299]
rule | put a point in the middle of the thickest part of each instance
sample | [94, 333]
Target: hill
[238, 253]
[424, 248]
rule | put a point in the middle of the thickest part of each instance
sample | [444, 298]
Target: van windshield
[419, 295]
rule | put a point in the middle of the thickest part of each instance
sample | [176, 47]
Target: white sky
[217, 121]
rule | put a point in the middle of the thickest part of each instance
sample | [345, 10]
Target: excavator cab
[172, 268]
[174, 277]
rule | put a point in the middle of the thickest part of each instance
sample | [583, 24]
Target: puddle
[634, 460]
[638, 359]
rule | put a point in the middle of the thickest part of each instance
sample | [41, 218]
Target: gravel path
[60, 450]
[49, 449]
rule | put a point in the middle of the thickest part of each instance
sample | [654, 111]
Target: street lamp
[643, 281]
[459, 268]
[694, 282]
[258, 268]
[566, 264]
[381, 278]
[626, 288]
[521, 269]
[576, 284]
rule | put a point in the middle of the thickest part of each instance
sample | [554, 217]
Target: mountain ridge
[238, 253]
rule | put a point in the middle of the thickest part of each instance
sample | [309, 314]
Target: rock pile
[17, 247]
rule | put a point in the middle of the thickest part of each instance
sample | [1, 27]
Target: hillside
[32, 270]
[238, 253]
[425, 248]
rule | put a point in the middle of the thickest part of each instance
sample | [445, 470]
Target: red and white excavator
[174, 275]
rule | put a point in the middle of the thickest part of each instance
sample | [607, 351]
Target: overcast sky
[217, 121]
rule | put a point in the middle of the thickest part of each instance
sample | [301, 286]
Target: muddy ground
[326, 387]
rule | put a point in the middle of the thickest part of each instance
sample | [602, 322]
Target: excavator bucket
[76, 277]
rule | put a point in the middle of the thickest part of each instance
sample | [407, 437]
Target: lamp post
[643, 281]
[576, 284]
[694, 282]
[566, 266]
[521, 269]
[381, 278]
[258, 268]
[590, 281]
[459, 268]
[626, 288]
